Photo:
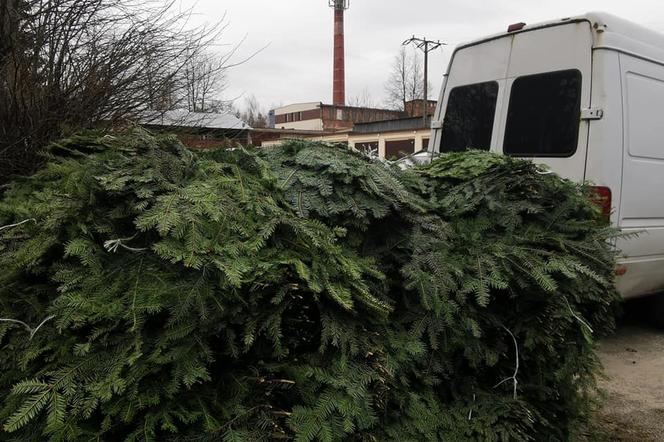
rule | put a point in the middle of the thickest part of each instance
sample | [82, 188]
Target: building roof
[269, 130]
[401, 124]
[297, 107]
[184, 118]
[609, 32]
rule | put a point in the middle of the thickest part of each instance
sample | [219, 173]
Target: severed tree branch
[30, 330]
[112, 245]
[17, 224]
[516, 365]
[578, 318]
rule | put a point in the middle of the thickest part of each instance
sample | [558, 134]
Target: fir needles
[302, 292]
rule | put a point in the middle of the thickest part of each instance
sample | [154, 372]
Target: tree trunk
[8, 26]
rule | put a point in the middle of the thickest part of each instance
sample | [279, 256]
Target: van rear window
[469, 117]
[543, 115]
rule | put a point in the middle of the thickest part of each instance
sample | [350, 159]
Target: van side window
[469, 117]
[544, 114]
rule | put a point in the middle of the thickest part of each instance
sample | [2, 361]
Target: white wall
[297, 107]
[381, 138]
[316, 124]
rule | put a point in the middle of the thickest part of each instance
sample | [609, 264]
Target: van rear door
[549, 79]
[538, 81]
[473, 97]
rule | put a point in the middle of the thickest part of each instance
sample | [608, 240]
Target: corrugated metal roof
[184, 118]
[390, 125]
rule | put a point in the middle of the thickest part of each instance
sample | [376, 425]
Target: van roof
[609, 32]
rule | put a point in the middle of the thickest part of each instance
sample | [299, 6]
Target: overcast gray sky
[297, 64]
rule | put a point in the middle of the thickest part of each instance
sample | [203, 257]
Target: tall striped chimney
[339, 81]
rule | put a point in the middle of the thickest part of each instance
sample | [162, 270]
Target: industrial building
[390, 139]
[329, 117]
[388, 133]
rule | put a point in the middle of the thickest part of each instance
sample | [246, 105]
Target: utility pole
[426, 46]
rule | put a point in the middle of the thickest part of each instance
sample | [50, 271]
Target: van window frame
[495, 83]
[579, 99]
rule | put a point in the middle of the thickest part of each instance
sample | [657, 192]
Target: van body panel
[566, 46]
[641, 278]
[622, 77]
[642, 242]
[481, 63]
[605, 140]
[642, 199]
[643, 174]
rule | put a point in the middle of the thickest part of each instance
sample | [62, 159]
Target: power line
[425, 46]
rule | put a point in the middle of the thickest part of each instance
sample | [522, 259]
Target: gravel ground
[633, 406]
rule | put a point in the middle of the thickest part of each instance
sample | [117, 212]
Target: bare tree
[204, 78]
[252, 113]
[363, 99]
[406, 80]
[72, 64]
[416, 83]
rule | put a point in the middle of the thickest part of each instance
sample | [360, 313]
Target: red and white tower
[339, 78]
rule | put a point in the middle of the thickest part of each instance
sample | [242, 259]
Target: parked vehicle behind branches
[582, 95]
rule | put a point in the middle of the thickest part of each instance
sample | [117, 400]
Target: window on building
[396, 149]
[543, 115]
[469, 117]
[425, 143]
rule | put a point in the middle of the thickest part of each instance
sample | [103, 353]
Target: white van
[583, 95]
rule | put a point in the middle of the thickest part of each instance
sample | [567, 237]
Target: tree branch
[30, 330]
[516, 364]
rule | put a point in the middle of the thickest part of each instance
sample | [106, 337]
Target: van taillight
[601, 196]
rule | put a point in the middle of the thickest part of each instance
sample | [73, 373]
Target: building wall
[266, 136]
[295, 116]
[200, 138]
[201, 142]
[304, 116]
[317, 116]
[380, 140]
[358, 114]
[315, 124]
[414, 108]
[417, 135]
